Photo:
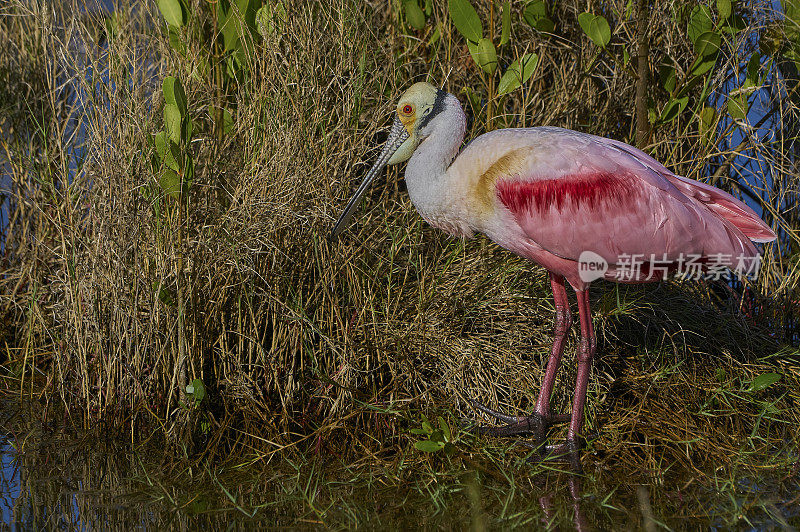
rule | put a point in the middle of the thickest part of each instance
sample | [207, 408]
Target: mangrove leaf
[596, 28]
[466, 19]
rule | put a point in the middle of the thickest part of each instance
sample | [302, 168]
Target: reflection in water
[9, 480]
[58, 481]
[575, 493]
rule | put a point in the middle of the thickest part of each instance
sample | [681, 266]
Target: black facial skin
[438, 107]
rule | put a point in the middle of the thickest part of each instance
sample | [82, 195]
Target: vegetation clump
[172, 169]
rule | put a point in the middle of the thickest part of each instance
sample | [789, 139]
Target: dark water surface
[54, 480]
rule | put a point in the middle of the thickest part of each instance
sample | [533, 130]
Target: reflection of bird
[581, 206]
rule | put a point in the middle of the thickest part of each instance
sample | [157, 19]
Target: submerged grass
[310, 348]
[481, 486]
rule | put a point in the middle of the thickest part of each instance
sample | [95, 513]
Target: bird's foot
[569, 452]
[535, 424]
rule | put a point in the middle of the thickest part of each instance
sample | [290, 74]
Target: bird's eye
[407, 109]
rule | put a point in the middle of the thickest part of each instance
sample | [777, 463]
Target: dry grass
[300, 340]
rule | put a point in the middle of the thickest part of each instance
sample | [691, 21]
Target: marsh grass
[307, 346]
[484, 485]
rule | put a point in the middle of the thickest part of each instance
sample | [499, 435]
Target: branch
[642, 122]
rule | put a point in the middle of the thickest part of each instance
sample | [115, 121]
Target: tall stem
[181, 302]
[642, 122]
[490, 99]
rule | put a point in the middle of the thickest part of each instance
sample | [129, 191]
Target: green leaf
[738, 106]
[535, 15]
[172, 123]
[170, 183]
[270, 17]
[626, 57]
[174, 94]
[753, 71]
[437, 34]
[486, 56]
[427, 427]
[248, 10]
[596, 28]
[173, 12]
[188, 130]
[674, 108]
[724, 8]
[545, 25]
[449, 449]
[200, 69]
[176, 41]
[708, 118]
[706, 47]
[667, 76]
[534, 11]
[505, 32]
[199, 392]
[515, 76]
[188, 174]
[707, 44]
[429, 446]
[466, 20]
[703, 65]
[764, 381]
[229, 22]
[230, 34]
[227, 121]
[264, 20]
[448, 436]
[686, 88]
[768, 407]
[700, 22]
[165, 151]
[227, 118]
[414, 15]
[419, 432]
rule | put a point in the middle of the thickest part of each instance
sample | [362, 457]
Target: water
[52, 479]
[10, 487]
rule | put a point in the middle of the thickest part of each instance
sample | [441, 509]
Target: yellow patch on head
[414, 102]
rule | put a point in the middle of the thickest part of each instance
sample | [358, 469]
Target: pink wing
[588, 193]
[718, 201]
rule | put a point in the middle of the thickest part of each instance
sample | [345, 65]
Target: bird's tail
[719, 202]
[726, 206]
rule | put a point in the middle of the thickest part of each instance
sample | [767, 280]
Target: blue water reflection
[9, 480]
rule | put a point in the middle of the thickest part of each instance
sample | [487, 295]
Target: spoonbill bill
[581, 206]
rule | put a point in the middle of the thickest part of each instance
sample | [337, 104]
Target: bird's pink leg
[563, 322]
[585, 355]
[540, 421]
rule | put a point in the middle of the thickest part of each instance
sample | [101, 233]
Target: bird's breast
[451, 225]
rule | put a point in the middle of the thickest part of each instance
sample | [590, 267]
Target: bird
[583, 207]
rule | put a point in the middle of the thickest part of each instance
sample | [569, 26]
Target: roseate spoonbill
[556, 196]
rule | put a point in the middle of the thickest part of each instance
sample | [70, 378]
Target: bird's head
[415, 110]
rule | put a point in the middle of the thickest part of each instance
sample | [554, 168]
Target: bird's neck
[432, 190]
[434, 154]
